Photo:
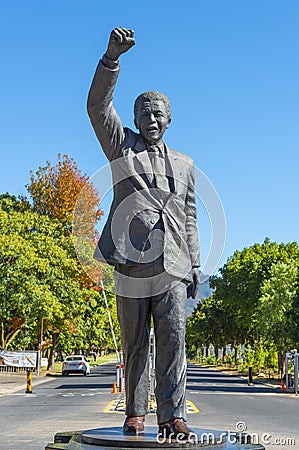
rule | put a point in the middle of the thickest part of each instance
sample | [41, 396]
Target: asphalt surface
[224, 402]
[227, 402]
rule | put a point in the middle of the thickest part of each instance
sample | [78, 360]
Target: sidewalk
[14, 382]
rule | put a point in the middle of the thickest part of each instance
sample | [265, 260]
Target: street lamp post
[40, 347]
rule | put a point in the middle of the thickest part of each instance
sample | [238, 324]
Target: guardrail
[10, 369]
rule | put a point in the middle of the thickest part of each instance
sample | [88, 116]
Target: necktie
[159, 170]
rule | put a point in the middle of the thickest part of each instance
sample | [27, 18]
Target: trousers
[167, 309]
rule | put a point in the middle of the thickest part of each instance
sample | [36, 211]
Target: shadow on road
[84, 386]
[205, 379]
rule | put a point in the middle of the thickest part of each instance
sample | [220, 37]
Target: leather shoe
[174, 427]
[134, 425]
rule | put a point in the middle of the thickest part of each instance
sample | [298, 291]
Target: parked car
[75, 364]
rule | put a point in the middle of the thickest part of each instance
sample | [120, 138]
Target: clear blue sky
[230, 69]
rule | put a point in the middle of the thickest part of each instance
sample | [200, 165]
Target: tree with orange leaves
[55, 191]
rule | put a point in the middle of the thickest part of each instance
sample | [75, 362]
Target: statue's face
[152, 120]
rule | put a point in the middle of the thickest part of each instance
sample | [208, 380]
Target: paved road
[227, 402]
[78, 403]
[29, 421]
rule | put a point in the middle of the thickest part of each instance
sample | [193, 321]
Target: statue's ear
[169, 122]
[135, 123]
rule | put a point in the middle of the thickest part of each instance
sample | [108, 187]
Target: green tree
[241, 281]
[38, 276]
[41, 278]
[293, 318]
[11, 203]
[277, 295]
[207, 325]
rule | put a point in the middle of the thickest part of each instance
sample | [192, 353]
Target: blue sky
[230, 69]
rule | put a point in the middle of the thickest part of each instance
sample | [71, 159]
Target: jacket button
[152, 221]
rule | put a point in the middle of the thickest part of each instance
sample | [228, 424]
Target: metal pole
[250, 380]
[152, 371]
[296, 372]
[110, 321]
[152, 364]
[40, 347]
[287, 371]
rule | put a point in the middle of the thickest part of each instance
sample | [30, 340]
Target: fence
[10, 369]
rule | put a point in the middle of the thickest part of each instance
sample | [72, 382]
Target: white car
[75, 364]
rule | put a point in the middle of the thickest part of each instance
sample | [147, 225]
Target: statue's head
[152, 115]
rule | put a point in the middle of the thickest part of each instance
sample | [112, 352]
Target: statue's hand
[121, 40]
[193, 287]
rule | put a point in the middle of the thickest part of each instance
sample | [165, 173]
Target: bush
[230, 359]
[212, 360]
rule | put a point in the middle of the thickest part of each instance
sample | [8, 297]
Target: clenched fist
[121, 40]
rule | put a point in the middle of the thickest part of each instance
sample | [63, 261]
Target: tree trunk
[281, 363]
[224, 356]
[52, 351]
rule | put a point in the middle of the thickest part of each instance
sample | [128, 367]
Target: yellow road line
[193, 409]
[111, 406]
[118, 406]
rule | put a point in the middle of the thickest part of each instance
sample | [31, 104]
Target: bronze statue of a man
[151, 238]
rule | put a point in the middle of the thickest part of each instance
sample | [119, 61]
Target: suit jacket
[137, 208]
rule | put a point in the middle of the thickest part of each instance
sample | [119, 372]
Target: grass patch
[103, 359]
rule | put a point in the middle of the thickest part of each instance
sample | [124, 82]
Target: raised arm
[105, 121]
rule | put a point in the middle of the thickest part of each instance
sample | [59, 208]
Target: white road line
[245, 394]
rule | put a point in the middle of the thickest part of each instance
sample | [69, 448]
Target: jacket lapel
[172, 168]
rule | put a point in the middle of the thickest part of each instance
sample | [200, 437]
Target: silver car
[75, 364]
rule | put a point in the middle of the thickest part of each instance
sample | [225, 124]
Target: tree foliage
[255, 300]
[240, 285]
[208, 324]
[277, 295]
[293, 317]
[41, 278]
[55, 191]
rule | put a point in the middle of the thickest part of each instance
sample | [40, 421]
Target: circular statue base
[112, 438]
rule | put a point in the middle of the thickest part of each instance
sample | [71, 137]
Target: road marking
[111, 407]
[191, 408]
[247, 394]
[119, 406]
